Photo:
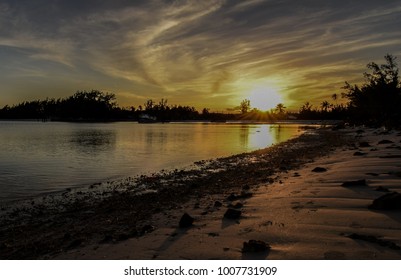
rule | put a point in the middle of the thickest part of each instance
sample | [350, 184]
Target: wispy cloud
[209, 51]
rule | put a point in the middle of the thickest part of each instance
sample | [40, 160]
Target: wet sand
[298, 211]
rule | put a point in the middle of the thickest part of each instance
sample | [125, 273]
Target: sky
[210, 53]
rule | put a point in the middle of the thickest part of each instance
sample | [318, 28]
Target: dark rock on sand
[218, 204]
[232, 214]
[364, 144]
[254, 246]
[359, 154]
[381, 189]
[391, 156]
[186, 221]
[319, 169]
[385, 141]
[354, 183]
[373, 239]
[242, 195]
[388, 201]
[147, 229]
[237, 205]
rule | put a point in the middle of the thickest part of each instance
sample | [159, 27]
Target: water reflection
[59, 155]
[90, 141]
[244, 135]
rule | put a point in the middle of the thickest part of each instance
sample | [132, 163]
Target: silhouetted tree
[325, 105]
[280, 108]
[378, 100]
[245, 106]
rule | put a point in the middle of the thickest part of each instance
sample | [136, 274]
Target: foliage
[83, 105]
[378, 100]
[245, 106]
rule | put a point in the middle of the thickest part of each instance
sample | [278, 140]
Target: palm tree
[325, 105]
[280, 108]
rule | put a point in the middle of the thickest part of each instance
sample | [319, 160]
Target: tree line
[376, 102]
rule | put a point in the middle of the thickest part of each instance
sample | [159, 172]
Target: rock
[385, 142]
[218, 204]
[381, 189]
[319, 169]
[359, 154]
[186, 221]
[373, 239]
[388, 201]
[237, 205]
[255, 246]
[147, 229]
[354, 183]
[232, 214]
[364, 144]
[243, 195]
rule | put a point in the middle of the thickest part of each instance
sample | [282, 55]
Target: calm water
[37, 157]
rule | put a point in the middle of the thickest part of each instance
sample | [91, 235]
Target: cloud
[212, 50]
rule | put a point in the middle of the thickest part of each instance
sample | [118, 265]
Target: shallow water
[43, 157]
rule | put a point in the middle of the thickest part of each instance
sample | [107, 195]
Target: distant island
[376, 102]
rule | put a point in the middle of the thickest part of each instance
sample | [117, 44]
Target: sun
[265, 98]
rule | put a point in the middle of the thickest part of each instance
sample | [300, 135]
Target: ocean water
[44, 157]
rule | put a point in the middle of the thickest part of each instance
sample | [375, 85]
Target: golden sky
[210, 53]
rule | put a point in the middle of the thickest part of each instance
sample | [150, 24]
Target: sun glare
[265, 98]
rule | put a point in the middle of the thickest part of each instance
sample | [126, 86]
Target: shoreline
[116, 215]
[342, 202]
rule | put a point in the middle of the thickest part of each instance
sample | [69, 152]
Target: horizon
[209, 54]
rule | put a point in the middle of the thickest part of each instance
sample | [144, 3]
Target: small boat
[146, 118]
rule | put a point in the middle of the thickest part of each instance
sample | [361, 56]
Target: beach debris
[364, 144]
[359, 153]
[381, 189]
[232, 214]
[296, 174]
[186, 221]
[319, 169]
[255, 246]
[388, 201]
[213, 234]
[385, 141]
[374, 239]
[354, 183]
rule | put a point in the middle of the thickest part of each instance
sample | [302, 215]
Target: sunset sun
[264, 98]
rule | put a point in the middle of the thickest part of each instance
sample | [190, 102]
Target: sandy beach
[308, 198]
